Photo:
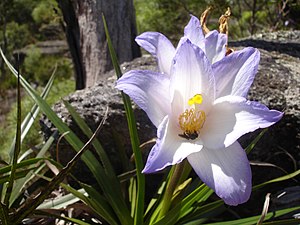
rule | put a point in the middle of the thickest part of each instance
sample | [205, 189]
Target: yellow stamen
[197, 99]
[192, 120]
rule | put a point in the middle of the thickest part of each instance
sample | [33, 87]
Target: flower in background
[201, 110]
[213, 44]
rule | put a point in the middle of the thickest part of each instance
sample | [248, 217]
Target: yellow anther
[196, 99]
[192, 120]
[191, 101]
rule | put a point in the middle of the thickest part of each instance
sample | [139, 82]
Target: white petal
[233, 116]
[235, 73]
[160, 47]
[215, 46]
[226, 171]
[169, 149]
[194, 33]
[149, 90]
[191, 73]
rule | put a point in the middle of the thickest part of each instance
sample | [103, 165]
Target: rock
[286, 42]
[276, 85]
[91, 104]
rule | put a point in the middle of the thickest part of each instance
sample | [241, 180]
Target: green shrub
[44, 12]
[38, 68]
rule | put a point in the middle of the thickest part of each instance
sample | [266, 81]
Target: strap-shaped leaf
[90, 160]
[139, 207]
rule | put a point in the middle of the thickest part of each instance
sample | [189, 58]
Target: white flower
[200, 110]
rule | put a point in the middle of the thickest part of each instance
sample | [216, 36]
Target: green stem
[172, 184]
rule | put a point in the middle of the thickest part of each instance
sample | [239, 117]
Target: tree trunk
[89, 39]
[3, 45]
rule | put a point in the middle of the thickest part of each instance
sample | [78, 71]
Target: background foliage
[248, 16]
[26, 22]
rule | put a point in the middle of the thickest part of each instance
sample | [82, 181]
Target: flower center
[192, 119]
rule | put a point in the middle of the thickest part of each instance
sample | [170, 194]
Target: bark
[92, 52]
[3, 45]
[71, 28]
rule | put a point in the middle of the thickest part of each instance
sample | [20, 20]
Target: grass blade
[56, 215]
[111, 176]
[33, 203]
[17, 147]
[200, 194]
[256, 139]
[139, 208]
[88, 132]
[31, 116]
[253, 219]
[283, 178]
[284, 222]
[95, 167]
[18, 189]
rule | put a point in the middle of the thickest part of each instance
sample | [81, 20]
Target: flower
[200, 111]
[213, 44]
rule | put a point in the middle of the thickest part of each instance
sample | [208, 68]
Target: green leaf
[19, 184]
[18, 175]
[100, 205]
[283, 178]
[90, 160]
[254, 142]
[22, 164]
[202, 213]
[284, 222]
[139, 208]
[253, 219]
[88, 132]
[68, 219]
[31, 116]
[61, 202]
[94, 200]
[75, 221]
[17, 147]
[111, 177]
[188, 204]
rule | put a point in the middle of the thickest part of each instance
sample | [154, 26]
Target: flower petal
[235, 73]
[194, 33]
[160, 47]
[191, 73]
[169, 149]
[227, 171]
[215, 46]
[149, 90]
[233, 116]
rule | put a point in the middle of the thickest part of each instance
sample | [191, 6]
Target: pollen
[192, 120]
[197, 99]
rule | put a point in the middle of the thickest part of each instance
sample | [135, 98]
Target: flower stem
[172, 184]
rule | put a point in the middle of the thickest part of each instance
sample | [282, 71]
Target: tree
[86, 37]
[3, 23]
